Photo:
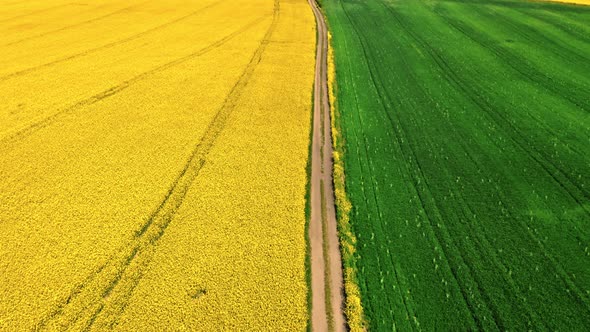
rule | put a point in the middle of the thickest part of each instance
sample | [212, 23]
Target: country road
[326, 266]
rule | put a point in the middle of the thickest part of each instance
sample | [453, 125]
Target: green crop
[466, 131]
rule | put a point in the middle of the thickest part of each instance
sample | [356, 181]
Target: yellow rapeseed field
[577, 2]
[153, 164]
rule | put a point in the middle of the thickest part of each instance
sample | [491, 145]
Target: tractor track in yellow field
[76, 25]
[43, 122]
[38, 12]
[103, 296]
[109, 45]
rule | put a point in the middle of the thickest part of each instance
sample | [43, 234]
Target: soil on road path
[327, 312]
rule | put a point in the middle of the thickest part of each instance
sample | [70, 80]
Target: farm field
[145, 180]
[466, 132]
[577, 2]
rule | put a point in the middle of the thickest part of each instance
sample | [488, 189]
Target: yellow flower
[145, 184]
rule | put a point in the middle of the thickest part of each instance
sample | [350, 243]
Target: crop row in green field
[467, 160]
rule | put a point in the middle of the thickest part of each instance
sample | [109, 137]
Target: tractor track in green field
[472, 93]
[423, 194]
[370, 172]
[537, 156]
[572, 29]
[430, 139]
[574, 94]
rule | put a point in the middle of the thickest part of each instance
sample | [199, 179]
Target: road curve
[327, 313]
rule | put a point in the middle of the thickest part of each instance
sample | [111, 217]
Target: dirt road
[326, 265]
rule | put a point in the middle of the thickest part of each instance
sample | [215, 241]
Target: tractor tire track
[560, 22]
[122, 10]
[41, 11]
[475, 96]
[432, 212]
[327, 307]
[371, 179]
[35, 126]
[565, 51]
[569, 182]
[357, 138]
[575, 93]
[477, 232]
[104, 295]
[535, 155]
[107, 46]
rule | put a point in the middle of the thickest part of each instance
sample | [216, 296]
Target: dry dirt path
[327, 312]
